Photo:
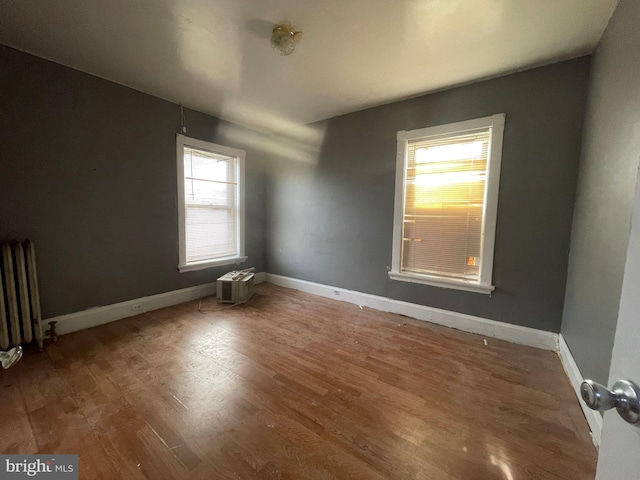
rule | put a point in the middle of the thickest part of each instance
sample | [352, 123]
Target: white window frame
[183, 141]
[484, 283]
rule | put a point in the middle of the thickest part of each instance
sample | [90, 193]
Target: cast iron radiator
[20, 318]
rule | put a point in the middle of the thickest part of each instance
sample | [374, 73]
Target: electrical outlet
[137, 307]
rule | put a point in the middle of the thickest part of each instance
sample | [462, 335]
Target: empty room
[276, 239]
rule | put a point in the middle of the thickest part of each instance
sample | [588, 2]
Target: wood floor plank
[293, 386]
[17, 435]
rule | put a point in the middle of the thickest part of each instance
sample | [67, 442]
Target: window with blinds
[211, 213]
[448, 196]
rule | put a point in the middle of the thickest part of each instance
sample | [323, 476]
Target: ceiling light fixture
[284, 39]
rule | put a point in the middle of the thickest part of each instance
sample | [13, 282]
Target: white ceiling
[214, 56]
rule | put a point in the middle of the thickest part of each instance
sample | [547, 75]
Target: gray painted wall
[88, 171]
[330, 206]
[605, 192]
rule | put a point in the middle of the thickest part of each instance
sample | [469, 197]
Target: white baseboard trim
[110, 313]
[460, 321]
[594, 419]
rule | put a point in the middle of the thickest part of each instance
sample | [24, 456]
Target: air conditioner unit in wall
[235, 287]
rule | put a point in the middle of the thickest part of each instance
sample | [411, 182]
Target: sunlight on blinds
[444, 204]
[210, 186]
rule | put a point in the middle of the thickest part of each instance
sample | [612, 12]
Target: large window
[210, 204]
[446, 203]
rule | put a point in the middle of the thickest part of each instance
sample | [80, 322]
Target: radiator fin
[20, 317]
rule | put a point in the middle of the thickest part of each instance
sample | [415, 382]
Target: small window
[210, 204]
[446, 203]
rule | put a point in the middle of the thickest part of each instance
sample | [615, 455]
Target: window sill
[443, 283]
[190, 267]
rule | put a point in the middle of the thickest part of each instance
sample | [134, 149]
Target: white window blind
[444, 204]
[211, 204]
[211, 210]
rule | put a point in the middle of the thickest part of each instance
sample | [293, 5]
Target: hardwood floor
[293, 386]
